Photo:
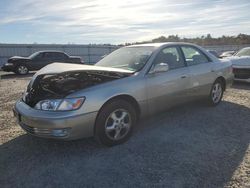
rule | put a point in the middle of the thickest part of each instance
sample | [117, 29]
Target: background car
[227, 54]
[65, 101]
[36, 61]
[241, 64]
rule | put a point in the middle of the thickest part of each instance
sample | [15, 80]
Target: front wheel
[216, 93]
[115, 123]
[22, 70]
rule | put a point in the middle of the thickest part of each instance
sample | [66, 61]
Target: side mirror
[160, 67]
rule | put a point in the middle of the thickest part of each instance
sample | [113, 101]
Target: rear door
[165, 89]
[201, 69]
[52, 57]
[60, 57]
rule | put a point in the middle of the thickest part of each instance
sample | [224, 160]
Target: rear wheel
[22, 70]
[216, 93]
[115, 123]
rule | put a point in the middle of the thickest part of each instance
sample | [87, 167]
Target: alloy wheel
[118, 124]
[22, 69]
[216, 92]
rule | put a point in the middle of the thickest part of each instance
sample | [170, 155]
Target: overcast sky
[118, 21]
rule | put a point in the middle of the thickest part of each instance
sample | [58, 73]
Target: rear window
[194, 56]
[54, 55]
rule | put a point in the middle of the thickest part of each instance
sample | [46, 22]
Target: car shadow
[189, 146]
[13, 75]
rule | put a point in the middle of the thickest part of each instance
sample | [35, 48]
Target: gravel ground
[188, 146]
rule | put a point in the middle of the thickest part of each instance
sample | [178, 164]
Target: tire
[22, 70]
[216, 93]
[115, 122]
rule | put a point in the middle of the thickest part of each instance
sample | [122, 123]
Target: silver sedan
[105, 100]
[241, 64]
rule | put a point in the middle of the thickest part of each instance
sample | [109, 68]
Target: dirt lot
[189, 146]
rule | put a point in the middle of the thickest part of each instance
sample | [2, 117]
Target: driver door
[41, 60]
[167, 88]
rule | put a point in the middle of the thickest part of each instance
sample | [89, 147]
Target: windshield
[129, 58]
[243, 52]
[33, 55]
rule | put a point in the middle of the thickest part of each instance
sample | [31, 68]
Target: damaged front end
[59, 85]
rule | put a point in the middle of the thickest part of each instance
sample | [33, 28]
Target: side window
[39, 56]
[60, 56]
[52, 55]
[47, 55]
[171, 56]
[193, 56]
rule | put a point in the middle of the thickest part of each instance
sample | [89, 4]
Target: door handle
[183, 76]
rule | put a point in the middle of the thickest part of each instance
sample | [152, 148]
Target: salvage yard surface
[188, 146]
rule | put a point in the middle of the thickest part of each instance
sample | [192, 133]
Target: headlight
[9, 64]
[71, 104]
[60, 104]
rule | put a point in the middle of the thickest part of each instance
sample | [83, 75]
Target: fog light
[60, 132]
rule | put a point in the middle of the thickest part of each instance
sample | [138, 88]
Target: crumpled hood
[55, 68]
[18, 57]
[59, 80]
[240, 61]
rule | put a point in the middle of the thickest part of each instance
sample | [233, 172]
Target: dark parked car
[38, 60]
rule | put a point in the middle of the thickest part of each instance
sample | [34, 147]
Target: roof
[51, 51]
[161, 44]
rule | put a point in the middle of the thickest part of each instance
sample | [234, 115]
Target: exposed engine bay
[52, 86]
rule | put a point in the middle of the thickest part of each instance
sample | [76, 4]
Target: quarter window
[194, 56]
[171, 56]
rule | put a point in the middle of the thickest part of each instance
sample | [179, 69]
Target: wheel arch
[125, 97]
[21, 63]
[223, 80]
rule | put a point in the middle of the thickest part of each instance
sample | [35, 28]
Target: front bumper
[8, 68]
[58, 125]
[241, 73]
